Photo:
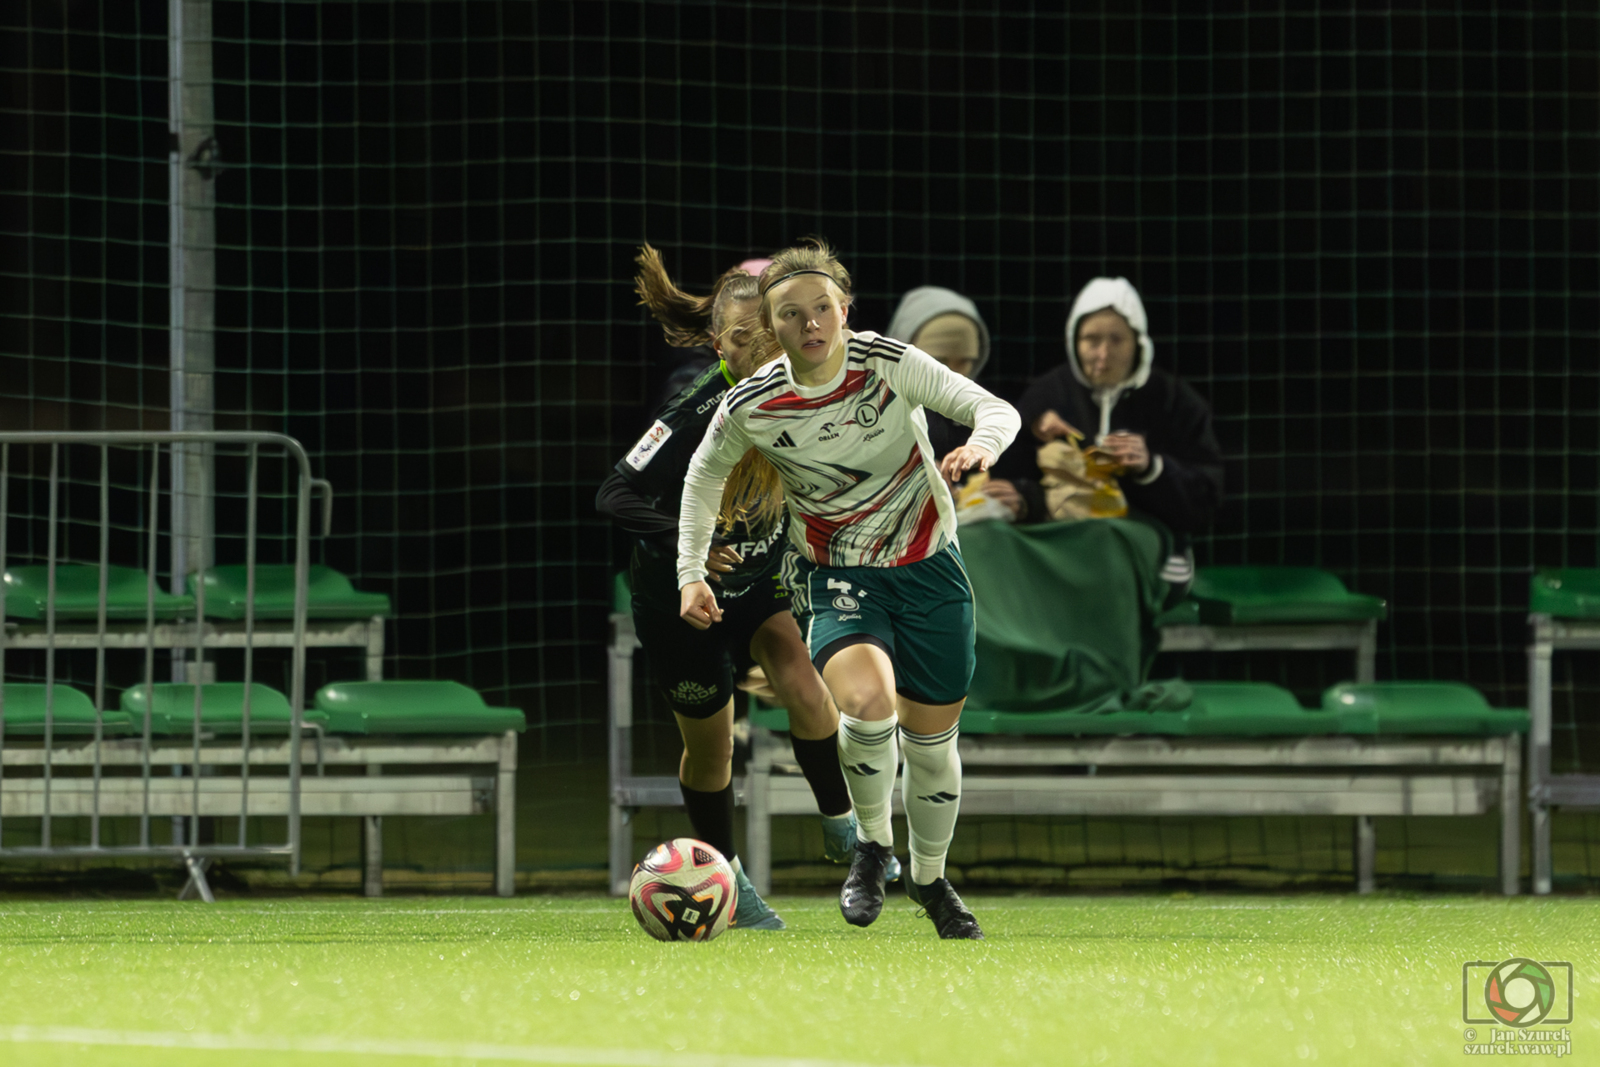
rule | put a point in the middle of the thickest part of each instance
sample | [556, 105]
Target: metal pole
[5, 522]
[192, 167]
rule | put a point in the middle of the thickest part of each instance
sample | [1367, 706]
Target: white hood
[1120, 296]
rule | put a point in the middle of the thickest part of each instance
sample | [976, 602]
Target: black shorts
[695, 670]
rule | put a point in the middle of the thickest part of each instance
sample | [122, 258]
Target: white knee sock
[867, 752]
[932, 794]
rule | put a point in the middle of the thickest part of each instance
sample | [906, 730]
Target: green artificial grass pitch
[1223, 979]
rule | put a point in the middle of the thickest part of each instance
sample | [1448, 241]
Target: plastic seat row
[394, 707]
[329, 594]
[1254, 596]
[1257, 709]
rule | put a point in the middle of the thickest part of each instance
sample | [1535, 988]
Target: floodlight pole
[193, 161]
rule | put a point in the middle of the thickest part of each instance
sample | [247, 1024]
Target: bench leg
[505, 811]
[1539, 714]
[197, 884]
[372, 855]
[1366, 853]
[1367, 654]
[621, 849]
[375, 649]
[1510, 818]
[372, 845]
[758, 810]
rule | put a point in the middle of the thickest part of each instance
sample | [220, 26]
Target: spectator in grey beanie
[948, 327]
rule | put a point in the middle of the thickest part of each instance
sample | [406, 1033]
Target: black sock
[711, 815]
[819, 762]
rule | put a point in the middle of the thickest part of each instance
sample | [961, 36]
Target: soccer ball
[683, 891]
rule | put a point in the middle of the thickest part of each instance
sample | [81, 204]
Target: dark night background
[1368, 234]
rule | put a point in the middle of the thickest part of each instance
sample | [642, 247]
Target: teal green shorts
[920, 614]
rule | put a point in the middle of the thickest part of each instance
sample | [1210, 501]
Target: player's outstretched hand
[722, 560]
[960, 460]
[697, 605]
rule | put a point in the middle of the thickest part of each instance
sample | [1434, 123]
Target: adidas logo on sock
[861, 769]
[783, 441]
[940, 798]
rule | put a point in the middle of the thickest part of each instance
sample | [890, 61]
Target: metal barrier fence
[109, 776]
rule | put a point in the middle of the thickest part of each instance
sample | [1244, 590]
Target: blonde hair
[753, 494]
[688, 320]
[811, 255]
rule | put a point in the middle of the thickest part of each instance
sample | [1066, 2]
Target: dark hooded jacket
[1183, 485]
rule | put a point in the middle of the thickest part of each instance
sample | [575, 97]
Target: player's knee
[862, 699]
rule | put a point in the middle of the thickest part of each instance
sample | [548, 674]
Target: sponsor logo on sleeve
[648, 445]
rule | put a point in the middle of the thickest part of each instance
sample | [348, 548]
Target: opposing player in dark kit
[884, 599]
[695, 670]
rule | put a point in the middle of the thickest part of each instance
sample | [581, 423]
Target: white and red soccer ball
[683, 891]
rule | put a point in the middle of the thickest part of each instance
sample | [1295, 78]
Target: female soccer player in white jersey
[883, 599]
[693, 670]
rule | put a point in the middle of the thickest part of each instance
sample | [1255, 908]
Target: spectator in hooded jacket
[947, 326]
[1109, 390]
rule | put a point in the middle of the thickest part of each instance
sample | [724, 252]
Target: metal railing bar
[149, 637]
[50, 640]
[199, 671]
[297, 698]
[325, 487]
[5, 524]
[306, 485]
[249, 639]
[100, 635]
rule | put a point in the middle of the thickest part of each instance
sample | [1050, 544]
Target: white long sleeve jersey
[858, 473]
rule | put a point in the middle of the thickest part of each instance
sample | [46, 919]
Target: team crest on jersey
[648, 445]
[842, 602]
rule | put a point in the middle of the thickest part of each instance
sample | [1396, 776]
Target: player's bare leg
[705, 778]
[813, 727]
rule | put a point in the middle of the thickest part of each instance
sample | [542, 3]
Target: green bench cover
[221, 708]
[1065, 611]
[1421, 708]
[421, 707]
[329, 594]
[72, 713]
[78, 593]
[1571, 593]
[1244, 596]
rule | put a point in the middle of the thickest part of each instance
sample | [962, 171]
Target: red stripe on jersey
[927, 522]
[819, 535]
[854, 381]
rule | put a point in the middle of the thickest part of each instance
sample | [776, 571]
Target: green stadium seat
[329, 594]
[1422, 708]
[72, 713]
[1217, 709]
[420, 707]
[1185, 613]
[78, 593]
[1244, 596]
[221, 708]
[1568, 593]
[1254, 709]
